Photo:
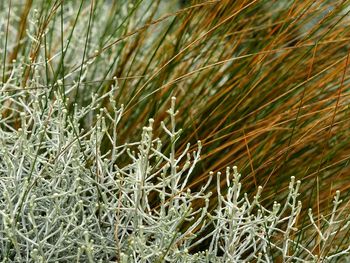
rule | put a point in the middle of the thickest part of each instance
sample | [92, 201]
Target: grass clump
[262, 84]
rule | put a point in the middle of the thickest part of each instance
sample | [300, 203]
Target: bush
[63, 200]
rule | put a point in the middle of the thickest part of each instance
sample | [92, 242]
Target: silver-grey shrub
[62, 199]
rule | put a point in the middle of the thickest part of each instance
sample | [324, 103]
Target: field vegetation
[119, 120]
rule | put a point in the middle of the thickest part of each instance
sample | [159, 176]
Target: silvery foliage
[63, 199]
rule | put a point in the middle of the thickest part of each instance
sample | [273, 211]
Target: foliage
[63, 200]
[262, 84]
